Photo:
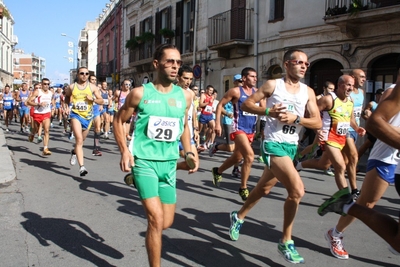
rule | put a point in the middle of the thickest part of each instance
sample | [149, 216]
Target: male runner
[384, 123]
[22, 96]
[41, 100]
[287, 100]
[81, 95]
[244, 124]
[161, 109]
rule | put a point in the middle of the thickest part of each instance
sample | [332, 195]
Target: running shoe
[217, 178]
[213, 149]
[336, 202]
[51, 125]
[60, 123]
[96, 152]
[236, 224]
[71, 136]
[129, 179]
[244, 193]
[236, 173]
[83, 171]
[40, 139]
[355, 193]
[72, 161]
[289, 252]
[7, 130]
[329, 172]
[30, 137]
[46, 152]
[260, 159]
[336, 246]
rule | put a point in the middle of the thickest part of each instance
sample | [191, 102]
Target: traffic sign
[197, 71]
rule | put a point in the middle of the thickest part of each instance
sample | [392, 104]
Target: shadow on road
[67, 235]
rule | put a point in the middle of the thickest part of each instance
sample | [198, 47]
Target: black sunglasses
[84, 73]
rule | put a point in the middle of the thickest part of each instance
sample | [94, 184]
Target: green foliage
[167, 33]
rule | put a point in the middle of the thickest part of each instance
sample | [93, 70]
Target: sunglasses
[128, 84]
[170, 62]
[84, 73]
[300, 62]
[46, 83]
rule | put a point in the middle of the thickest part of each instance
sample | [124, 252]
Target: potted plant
[147, 37]
[166, 33]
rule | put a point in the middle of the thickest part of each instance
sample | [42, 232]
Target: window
[163, 20]
[276, 10]
[185, 25]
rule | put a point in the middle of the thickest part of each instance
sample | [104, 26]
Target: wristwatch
[297, 120]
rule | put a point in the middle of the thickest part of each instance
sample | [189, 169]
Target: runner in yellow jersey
[81, 96]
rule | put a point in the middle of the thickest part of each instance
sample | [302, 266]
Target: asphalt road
[49, 216]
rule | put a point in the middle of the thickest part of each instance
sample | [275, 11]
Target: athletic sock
[346, 207]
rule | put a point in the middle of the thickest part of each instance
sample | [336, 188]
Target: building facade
[87, 45]
[28, 68]
[7, 42]
[222, 37]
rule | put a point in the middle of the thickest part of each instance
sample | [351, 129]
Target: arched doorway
[383, 73]
[323, 70]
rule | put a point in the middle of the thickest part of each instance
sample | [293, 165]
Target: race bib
[105, 101]
[342, 128]
[163, 128]
[7, 104]
[81, 106]
[208, 109]
[357, 114]
[245, 113]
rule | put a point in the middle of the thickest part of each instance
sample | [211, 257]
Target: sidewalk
[7, 169]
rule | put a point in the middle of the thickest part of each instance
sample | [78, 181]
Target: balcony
[103, 69]
[83, 38]
[231, 30]
[142, 57]
[350, 15]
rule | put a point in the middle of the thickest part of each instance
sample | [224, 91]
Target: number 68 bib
[163, 128]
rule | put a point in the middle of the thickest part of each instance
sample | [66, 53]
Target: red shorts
[31, 111]
[39, 118]
[250, 137]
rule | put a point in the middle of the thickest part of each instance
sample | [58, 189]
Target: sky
[39, 24]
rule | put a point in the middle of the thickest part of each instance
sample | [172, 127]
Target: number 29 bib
[163, 128]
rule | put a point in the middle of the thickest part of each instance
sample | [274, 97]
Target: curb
[6, 167]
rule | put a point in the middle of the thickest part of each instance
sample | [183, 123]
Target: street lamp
[72, 52]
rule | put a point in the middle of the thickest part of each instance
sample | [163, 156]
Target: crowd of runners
[172, 115]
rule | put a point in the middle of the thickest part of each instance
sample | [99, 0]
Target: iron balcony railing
[234, 24]
[340, 7]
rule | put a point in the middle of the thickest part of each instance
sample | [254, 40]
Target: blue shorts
[352, 134]
[24, 111]
[111, 112]
[84, 122]
[204, 119]
[96, 111]
[384, 170]
[58, 105]
[103, 111]
[180, 144]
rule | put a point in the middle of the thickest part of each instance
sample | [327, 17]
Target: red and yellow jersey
[336, 121]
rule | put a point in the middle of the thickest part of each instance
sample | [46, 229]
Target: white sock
[336, 233]
[346, 207]
[299, 166]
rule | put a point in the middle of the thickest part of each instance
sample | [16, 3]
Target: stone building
[7, 42]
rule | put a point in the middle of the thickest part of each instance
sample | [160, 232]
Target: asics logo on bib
[162, 122]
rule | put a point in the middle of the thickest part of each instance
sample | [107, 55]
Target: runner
[384, 123]
[227, 124]
[206, 120]
[161, 120]
[287, 99]
[22, 96]
[8, 106]
[41, 100]
[81, 95]
[97, 110]
[244, 126]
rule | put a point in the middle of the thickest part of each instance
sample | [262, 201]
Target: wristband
[267, 111]
[189, 153]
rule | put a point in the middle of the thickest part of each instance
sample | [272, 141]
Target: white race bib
[81, 106]
[163, 128]
[208, 109]
[105, 101]
[357, 114]
[342, 128]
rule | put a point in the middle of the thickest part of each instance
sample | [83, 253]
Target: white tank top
[277, 131]
[382, 151]
[43, 98]
[190, 118]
